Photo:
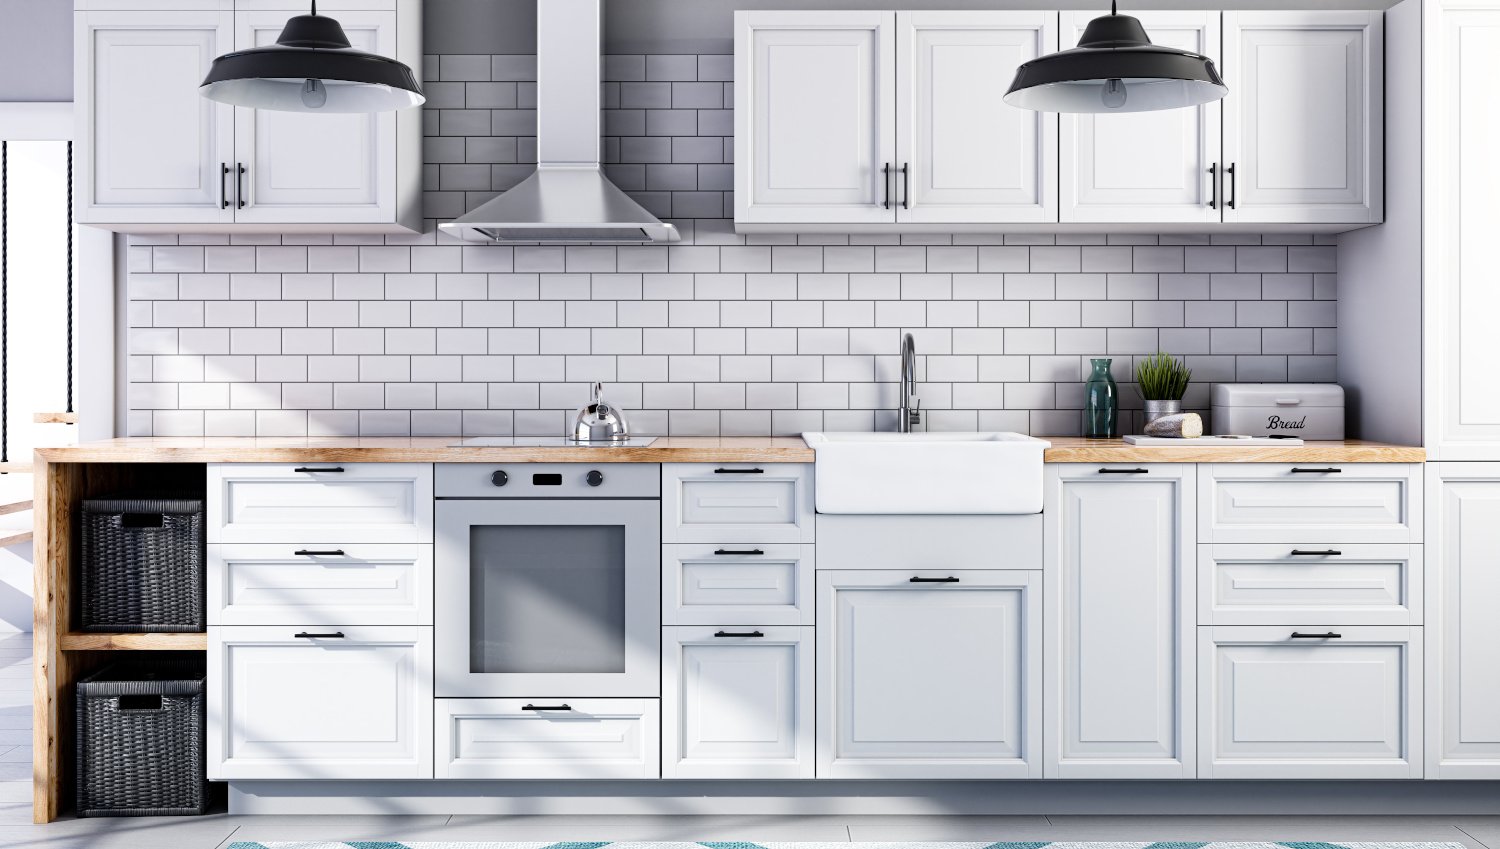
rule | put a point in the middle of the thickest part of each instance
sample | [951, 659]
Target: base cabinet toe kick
[699, 621]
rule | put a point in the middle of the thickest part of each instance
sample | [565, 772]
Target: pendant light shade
[312, 67]
[1116, 68]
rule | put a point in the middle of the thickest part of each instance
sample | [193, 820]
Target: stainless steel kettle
[600, 422]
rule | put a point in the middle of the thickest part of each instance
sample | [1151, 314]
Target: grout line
[1465, 832]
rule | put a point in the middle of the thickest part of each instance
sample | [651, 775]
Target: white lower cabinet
[929, 674]
[379, 584]
[737, 702]
[1329, 702]
[320, 702]
[548, 738]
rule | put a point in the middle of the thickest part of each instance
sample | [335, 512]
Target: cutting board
[1211, 441]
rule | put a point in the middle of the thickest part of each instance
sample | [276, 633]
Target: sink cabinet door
[926, 679]
[1119, 580]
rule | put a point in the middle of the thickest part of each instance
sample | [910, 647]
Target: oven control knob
[499, 478]
[594, 477]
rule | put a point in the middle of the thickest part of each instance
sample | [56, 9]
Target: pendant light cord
[4, 302]
[70, 276]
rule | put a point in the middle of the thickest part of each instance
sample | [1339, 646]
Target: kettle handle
[598, 392]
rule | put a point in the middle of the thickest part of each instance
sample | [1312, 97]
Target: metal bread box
[1308, 410]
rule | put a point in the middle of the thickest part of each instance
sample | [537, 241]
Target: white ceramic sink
[904, 473]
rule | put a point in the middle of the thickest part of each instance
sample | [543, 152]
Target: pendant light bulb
[1112, 94]
[315, 94]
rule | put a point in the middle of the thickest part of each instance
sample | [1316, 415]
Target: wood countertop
[668, 449]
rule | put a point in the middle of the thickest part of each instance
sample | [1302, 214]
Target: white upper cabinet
[965, 156]
[814, 132]
[153, 149]
[1144, 167]
[1303, 119]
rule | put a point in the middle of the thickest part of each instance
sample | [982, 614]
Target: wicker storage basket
[141, 741]
[143, 565]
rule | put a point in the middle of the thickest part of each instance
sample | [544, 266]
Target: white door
[964, 155]
[310, 167]
[1463, 581]
[1303, 119]
[929, 674]
[1145, 167]
[1315, 702]
[1120, 645]
[318, 701]
[814, 129]
[1462, 260]
[153, 148]
[737, 702]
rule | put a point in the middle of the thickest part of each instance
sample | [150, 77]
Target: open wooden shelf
[54, 418]
[8, 539]
[102, 641]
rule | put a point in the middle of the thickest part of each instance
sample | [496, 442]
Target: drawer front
[930, 542]
[737, 502]
[769, 583]
[1274, 706]
[593, 739]
[320, 502]
[737, 702]
[1310, 503]
[1271, 584]
[342, 584]
[284, 707]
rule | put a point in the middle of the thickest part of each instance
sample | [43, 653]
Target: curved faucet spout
[910, 412]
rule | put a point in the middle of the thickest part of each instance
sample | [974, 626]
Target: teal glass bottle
[1101, 404]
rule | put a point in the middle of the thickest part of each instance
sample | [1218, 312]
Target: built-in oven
[548, 580]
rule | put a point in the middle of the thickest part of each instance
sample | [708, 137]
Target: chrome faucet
[911, 407]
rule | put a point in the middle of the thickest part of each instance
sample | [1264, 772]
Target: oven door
[548, 598]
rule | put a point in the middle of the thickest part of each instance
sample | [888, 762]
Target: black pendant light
[1115, 68]
[312, 67]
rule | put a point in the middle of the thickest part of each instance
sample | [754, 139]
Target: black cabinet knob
[499, 478]
[594, 477]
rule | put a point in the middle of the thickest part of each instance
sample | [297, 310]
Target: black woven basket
[141, 742]
[143, 565]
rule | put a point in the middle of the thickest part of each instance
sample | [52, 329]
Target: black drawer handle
[739, 471]
[315, 470]
[1124, 471]
[1328, 636]
[303, 552]
[1327, 552]
[546, 707]
[745, 553]
[303, 635]
[948, 580]
[1328, 471]
[738, 634]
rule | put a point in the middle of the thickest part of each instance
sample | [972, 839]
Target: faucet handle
[914, 415]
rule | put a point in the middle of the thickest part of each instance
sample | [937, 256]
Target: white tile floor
[217, 831]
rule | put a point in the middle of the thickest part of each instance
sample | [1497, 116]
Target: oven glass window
[547, 598]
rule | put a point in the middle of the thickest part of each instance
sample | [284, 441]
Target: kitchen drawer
[930, 542]
[1310, 503]
[768, 583]
[593, 739]
[1280, 584]
[287, 707]
[342, 584]
[320, 502]
[737, 702]
[737, 502]
[1273, 706]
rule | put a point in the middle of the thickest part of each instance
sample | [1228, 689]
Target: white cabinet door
[311, 167]
[723, 503]
[152, 148]
[319, 503]
[1463, 654]
[718, 584]
[813, 125]
[1288, 584]
[737, 702]
[929, 674]
[548, 738]
[346, 584]
[288, 702]
[971, 157]
[1303, 119]
[1311, 504]
[1144, 166]
[1120, 697]
[1337, 702]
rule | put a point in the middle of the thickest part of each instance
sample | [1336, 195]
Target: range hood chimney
[568, 200]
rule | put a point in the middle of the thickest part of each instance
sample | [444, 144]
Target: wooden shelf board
[9, 539]
[134, 642]
[14, 507]
[54, 418]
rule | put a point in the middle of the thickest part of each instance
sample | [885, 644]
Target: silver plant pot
[1157, 409]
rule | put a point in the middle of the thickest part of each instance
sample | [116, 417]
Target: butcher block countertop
[671, 449]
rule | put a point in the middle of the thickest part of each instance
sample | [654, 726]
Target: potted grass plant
[1162, 380]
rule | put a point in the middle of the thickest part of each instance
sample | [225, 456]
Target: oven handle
[739, 471]
[303, 635]
[739, 634]
[743, 552]
[546, 707]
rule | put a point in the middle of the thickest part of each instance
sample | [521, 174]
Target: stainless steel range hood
[568, 200]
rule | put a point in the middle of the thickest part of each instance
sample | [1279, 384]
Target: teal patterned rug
[903, 845]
